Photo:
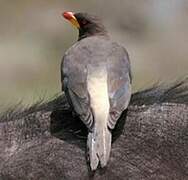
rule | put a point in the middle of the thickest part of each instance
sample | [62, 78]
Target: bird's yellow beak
[70, 17]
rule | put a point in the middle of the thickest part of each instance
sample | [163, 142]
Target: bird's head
[88, 25]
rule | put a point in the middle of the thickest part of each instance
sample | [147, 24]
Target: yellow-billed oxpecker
[96, 79]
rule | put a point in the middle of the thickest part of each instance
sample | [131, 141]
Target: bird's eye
[84, 22]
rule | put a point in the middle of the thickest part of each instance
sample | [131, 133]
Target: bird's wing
[74, 77]
[119, 85]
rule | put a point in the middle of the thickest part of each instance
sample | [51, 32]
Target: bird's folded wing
[119, 87]
[74, 78]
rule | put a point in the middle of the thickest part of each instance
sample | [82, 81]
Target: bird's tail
[99, 146]
[99, 140]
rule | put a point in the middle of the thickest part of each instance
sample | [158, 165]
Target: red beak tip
[68, 15]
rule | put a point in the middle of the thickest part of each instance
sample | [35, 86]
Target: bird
[96, 79]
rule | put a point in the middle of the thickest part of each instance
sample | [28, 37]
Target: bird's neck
[85, 34]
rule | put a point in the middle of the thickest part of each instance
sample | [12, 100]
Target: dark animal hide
[150, 140]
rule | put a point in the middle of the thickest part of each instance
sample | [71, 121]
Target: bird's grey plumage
[85, 65]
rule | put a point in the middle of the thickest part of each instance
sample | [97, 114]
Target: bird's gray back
[97, 51]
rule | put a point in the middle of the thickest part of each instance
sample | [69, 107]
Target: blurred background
[34, 37]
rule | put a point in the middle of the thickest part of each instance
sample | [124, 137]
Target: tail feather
[99, 146]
